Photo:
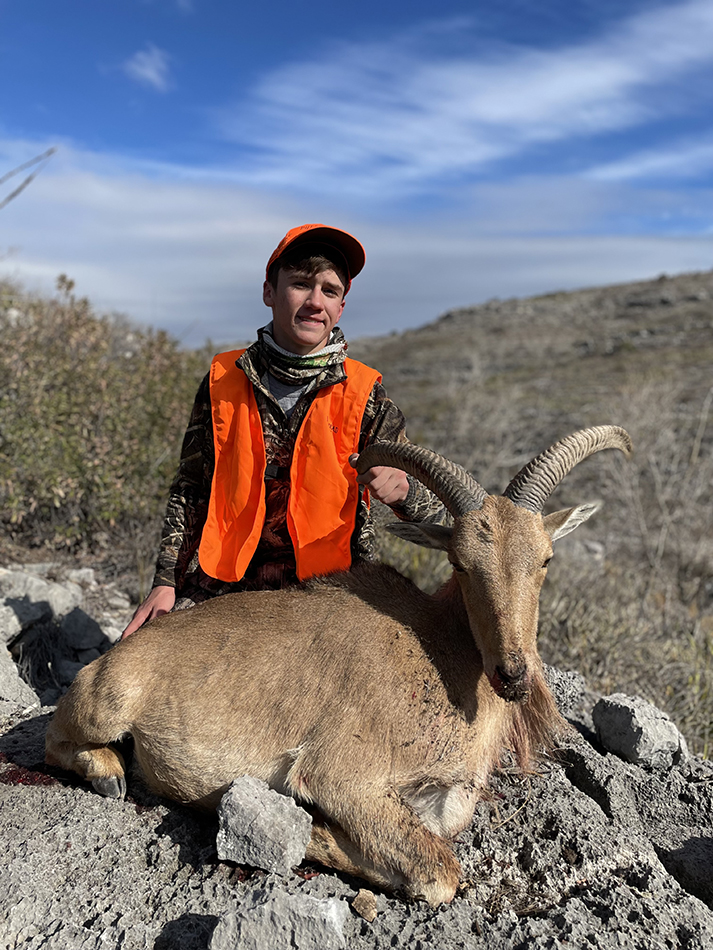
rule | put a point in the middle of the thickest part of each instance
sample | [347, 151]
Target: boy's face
[305, 309]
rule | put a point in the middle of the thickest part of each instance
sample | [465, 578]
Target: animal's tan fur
[358, 694]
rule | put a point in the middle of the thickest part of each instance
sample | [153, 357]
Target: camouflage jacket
[273, 564]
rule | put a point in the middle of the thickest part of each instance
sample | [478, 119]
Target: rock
[12, 687]
[261, 828]
[20, 585]
[38, 568]
[111, 631]
[638, 732]
[117, 600]
[283, 922]
[84, 576]
[10, 625]
[25, 612]
[50, 696]
[364, 904]
[567, 687]
[81, 631]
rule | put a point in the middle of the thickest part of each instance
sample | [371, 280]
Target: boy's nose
[315, 298]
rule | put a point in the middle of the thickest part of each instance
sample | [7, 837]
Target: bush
[92, 411]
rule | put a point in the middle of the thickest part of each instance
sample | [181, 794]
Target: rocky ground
[590, 851]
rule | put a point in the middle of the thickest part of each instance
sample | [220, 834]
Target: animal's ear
[427, 535]
[560, 523]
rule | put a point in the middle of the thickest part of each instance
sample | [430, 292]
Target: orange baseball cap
[352, 251]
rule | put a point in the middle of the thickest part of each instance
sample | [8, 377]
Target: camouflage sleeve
[384, 421]
[188, 497]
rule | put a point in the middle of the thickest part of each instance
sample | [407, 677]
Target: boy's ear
[268, 294]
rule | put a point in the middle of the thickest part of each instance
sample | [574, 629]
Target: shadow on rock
[188, 932]
[193, 832]
[690, 864]
[24, 743]
[49, 652]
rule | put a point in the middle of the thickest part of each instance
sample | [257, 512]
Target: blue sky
[492, 149]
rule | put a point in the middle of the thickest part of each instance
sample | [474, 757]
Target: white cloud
[685, 160]
[392, 117]
[189, 255]
[150, 67]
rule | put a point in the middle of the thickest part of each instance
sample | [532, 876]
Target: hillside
[560, 358]
[584, 849]
[86, 458]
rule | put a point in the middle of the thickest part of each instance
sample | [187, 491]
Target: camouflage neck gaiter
[293, 368]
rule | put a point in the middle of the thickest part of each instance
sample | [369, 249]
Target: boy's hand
[159, 601]
[388, 485]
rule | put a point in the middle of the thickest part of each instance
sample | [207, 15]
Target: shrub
[92, 411]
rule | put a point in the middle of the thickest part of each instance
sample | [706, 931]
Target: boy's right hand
[159, 601]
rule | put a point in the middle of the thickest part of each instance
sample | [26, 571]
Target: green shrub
[92, 411]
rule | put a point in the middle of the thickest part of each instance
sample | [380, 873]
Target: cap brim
[349, 246]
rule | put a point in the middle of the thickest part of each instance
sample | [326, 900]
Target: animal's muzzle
[512, 684]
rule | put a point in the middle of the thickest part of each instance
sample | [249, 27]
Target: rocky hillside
[557, 360]
[609, 843]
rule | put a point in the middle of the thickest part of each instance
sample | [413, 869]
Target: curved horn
[455, 487]
[534, 483]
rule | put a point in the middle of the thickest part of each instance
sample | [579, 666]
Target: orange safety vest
[324, 494]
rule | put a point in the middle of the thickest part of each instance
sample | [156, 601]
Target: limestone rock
[12, 687]
[261, 828]
[283, 922]
[66, 670]
[84, 576]
[23, 586]
[19, 613]
[10, 625]
[567, 687]
[638, 732]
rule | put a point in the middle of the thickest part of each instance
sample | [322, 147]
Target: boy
[265, 494]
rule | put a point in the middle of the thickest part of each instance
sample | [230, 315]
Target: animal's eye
[457, 568]
[547, 561]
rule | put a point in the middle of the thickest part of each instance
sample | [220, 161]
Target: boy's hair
[310, 259]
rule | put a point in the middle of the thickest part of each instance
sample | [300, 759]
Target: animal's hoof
[111, 786]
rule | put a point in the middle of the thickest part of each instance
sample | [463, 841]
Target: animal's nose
[512, 683]
[513, 675]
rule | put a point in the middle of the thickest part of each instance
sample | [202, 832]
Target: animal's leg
[79, 741]
[379, 838]
[329, 845]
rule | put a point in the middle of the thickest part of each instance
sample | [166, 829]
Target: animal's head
[499, 545]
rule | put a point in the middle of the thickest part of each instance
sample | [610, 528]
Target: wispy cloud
[150, 67]
[395, 117]
[686, 160]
